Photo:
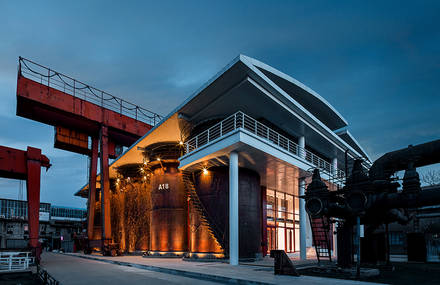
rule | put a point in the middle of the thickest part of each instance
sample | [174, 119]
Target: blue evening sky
[376, 62]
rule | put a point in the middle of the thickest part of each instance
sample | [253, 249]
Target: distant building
[419, 240]
[58, 225]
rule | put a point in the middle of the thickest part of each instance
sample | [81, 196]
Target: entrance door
[290, 242]
[271, 238]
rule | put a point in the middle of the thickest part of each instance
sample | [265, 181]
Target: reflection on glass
[281, 238]
[284, 207]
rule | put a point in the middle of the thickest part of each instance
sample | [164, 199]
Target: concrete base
[172, 254]
[199, 256]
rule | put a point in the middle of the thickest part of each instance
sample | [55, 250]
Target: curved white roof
[301, 93]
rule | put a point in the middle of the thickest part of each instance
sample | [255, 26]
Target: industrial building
[221, 175]
[57, 225]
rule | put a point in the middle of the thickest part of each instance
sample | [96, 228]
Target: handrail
[239, 120]
[76, 88]
[15, 261]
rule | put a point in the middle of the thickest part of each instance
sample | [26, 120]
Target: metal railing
[71, 86]
[240, 120]
[45, 277]
[15, 261]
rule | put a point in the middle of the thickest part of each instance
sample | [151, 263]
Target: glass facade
[16, 209]
[282, 221]
[67, 213]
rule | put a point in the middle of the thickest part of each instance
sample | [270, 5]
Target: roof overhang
[250, 86]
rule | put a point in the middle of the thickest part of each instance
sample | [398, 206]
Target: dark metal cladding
[168, 228]
[213, 191]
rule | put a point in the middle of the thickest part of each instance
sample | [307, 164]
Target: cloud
[378, 63]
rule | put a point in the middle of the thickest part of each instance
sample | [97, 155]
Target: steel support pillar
[302, 147]
[335, 167]
[92, 189]
[105, 185]
[233, 209]
[302, 220]
[33, 165]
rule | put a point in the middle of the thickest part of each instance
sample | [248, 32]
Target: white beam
[233, 208]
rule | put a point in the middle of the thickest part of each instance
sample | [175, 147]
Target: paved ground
[72, 270]
[76, 269]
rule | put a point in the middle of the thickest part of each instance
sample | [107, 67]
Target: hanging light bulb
[205, 171]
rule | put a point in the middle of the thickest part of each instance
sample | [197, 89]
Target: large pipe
[427, 197]
[420, 155]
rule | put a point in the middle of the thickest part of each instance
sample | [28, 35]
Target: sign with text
[163, 186]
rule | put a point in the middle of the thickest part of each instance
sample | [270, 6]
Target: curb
[179, 272]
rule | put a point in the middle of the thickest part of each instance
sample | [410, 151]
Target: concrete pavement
[70, 270]
[100, 269]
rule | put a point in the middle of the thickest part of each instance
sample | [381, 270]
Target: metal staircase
[206, 220]
[321, 239]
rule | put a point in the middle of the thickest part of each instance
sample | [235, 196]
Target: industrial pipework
[374, 197]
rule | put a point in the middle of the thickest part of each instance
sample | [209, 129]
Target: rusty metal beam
[50, 106]
[92, 188]
[105, 185]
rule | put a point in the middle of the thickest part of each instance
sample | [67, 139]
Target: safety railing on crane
[240, 120]
[71, 86]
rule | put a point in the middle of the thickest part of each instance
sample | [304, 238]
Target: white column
[302, 147]
[335, 166]
[233, 208]
[302, 220]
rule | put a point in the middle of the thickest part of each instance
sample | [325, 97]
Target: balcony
[241, 121]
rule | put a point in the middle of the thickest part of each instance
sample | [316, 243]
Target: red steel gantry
[26, 165]
[79, 111]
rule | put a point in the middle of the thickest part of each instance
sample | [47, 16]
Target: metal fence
[15, 261]
[71, 86]
[45, 277]
[240, 120]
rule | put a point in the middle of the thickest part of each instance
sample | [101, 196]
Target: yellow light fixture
[181, 142]
[158, 159]
[205, 171]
